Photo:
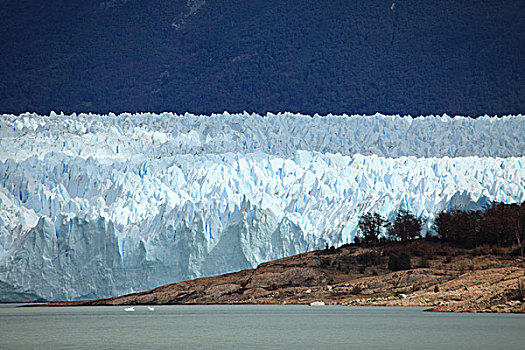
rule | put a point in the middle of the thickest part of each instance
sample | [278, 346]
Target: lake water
[256, 327]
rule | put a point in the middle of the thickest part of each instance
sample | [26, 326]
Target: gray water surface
[256, 327]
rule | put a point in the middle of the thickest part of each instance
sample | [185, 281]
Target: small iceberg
[317, 303]
[151, 308]
[131, 308]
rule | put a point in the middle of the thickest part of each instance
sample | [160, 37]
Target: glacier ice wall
[94, 206]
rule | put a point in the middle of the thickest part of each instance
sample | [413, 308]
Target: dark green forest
[394, 57]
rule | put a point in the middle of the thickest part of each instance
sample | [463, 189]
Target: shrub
[424, 262]
[325, 262]
[424, 249]
[356, 290]
[369, 259]
[399, 262]
[499, 251]
[518, 293]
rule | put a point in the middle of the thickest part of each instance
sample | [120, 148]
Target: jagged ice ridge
[94, 206]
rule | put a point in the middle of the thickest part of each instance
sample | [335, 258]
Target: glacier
[99, 205]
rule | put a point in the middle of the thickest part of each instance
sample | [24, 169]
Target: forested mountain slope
[401, 57]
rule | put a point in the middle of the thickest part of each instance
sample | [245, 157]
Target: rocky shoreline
[443, 279]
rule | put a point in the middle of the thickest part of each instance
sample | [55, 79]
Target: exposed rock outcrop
[463, 281]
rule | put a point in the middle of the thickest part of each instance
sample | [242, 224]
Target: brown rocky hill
[484, 279]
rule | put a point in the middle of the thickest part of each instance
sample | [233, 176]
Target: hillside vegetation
[406, 57]
[428, 272]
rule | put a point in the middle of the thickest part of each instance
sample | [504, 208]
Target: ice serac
[94, 206]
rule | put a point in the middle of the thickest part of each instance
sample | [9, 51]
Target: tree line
[496, 224]
[372, 226]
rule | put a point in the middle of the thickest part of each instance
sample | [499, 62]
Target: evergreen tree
[406, 227]
[370, 226]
